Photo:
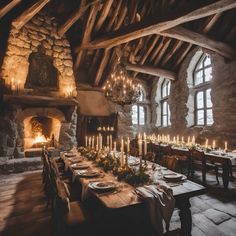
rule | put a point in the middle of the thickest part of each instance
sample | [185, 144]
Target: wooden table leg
[225, 174]
[185, 216]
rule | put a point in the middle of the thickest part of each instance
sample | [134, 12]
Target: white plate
[79, 166]
[102, 185]
[174, 177]
[133, 162]
[87, 173]
[75, 160]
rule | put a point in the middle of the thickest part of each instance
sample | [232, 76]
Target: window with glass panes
[202, 86]
[139, 112]
[165, 108]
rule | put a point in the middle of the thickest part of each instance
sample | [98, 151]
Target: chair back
[168, 150]
[150, 156]
[134, 151]
[197, 155]
[169, 162]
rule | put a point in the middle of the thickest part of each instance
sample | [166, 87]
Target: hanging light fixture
[120, 88]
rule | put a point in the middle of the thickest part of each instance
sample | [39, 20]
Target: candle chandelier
[120, 88]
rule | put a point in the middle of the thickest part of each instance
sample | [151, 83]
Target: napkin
[160, 205]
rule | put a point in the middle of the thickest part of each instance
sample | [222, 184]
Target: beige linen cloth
[160, 205]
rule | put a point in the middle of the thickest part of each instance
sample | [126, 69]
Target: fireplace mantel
[40, 100]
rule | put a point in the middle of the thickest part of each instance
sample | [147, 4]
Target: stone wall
[182, 105]
[40, 31]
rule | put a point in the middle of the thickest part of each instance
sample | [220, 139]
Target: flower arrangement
[132, 176]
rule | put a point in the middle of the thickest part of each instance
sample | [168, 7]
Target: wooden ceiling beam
[114, 15]
[201, 40]
[29, 14]
[155, 71]
[88, 27]
[78, 13]
[103, 15]
[8, 7]
[102, 66]
[145, 28]
[162, 51]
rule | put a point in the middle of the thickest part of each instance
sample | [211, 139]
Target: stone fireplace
[38, 70]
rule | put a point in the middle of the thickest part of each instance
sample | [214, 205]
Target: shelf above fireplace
[40, 100]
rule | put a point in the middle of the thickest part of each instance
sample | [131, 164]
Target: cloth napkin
[160, 205]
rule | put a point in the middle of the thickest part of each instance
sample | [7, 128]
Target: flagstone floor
[23, 209]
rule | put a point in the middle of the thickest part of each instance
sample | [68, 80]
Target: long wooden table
[226, 161]
[126, 196]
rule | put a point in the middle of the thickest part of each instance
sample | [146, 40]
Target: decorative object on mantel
[120, 88]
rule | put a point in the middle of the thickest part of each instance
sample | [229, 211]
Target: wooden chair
[134, 151]
[69, 218]
[199, 161]
[169, 162]
[150, 156]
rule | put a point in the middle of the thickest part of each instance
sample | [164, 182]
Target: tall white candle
[206, 143]
[97, 143]
[182, 139]
[86, 141]
[89, 141]
[114, 150]
[128, 145]
[226, 145]
[140, 147]
[93, 142]
[214, 144]
[188, 140]
[145, 147]
[111, 142]
[122, 152]
[193, 139]
[107, 140]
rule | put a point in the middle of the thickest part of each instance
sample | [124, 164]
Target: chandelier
[120, 88]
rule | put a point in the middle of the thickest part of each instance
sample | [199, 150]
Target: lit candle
[122, 152]
[114, 150]
[89, 141]
[86, 141]
[93, 142]
[107, 140]
[206, 143]
[226, 145]
[111, 142]
[214, 144]
[128, 145]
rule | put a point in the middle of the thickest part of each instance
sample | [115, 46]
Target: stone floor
[23, 211]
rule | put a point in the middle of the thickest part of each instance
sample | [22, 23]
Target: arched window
[202, 85]
[139, 111]
[165, 108]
